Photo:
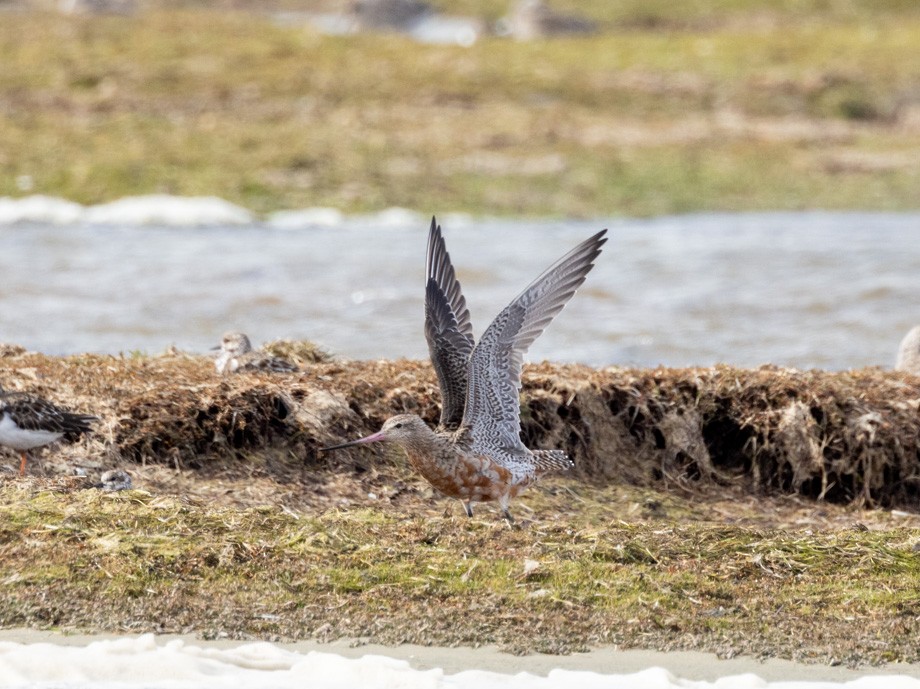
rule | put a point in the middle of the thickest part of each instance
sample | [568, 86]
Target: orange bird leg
[22, 465]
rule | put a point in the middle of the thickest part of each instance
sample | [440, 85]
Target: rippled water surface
[796, 289]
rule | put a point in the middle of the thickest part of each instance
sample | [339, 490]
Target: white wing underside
[492, 409]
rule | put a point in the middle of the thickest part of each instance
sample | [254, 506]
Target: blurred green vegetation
[674, 107]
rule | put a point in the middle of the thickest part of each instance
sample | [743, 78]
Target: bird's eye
[399, 425]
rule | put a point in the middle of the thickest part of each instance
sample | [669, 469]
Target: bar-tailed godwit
[476, 453]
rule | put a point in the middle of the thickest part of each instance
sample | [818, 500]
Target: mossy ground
[772, 577]
[674, 107]
[690, 522]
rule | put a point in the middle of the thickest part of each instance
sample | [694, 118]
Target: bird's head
[235, 343]
[402, 429]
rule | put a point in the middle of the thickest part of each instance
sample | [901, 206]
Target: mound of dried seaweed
[839, 436]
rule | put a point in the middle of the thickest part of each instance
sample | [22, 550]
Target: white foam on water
[142, 662]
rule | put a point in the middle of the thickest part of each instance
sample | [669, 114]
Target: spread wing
[447, 328]
[492, 412]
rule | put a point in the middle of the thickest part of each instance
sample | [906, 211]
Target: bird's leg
[468, 506]
[22, 464]
[506, 513]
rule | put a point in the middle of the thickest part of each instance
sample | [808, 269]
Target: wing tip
[598, 239]
[435, 240]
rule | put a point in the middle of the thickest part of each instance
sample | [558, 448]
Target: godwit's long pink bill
[373, 438]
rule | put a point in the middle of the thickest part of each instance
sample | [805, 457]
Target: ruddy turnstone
[28, 421]
[477, 453]
[236, 354]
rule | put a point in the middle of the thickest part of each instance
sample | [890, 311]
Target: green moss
[95, 561]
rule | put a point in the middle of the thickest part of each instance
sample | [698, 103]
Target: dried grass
[850, 436]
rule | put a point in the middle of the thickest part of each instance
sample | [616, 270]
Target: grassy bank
[747, 106]
[720, 509]
[590, 567]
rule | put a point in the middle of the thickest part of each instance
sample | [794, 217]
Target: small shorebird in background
[28, 421]
[114, 480]
[236, 354]
[477, 454]
[909, 352]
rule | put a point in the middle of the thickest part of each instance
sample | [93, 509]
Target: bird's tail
[79, 423]
[552, 460]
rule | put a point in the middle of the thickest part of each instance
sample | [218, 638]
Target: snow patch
[156, 209]
[162, 209]
[396, 217]
[39, 209]
[141, 662]
[307, 217]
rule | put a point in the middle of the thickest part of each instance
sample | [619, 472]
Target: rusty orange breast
[468, 477]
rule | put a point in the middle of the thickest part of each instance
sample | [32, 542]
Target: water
[827, 290]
